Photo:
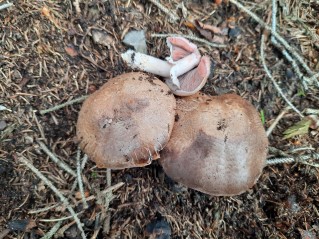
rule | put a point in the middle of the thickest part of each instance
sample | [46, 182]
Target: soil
[48, 56]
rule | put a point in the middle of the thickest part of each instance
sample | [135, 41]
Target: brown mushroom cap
[218, 145]
[126, 122]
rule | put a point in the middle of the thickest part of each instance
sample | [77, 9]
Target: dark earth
[48, 56]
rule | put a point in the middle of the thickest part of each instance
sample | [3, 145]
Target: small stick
[4, 233]
[97, 226]
[52, 231]
[273, 17]
[38, 125]
[70, 102]
[6, 5]
[300, 149]
[58, 219]
[76, 4]
[309, 111]
[60, 232]
[300, 159]
[294, 65]
[262, 56]
[85, 159]
[59, 162]
[108, 198]
[79, 177]
[43, 209]
[314, 77]
[273, 125]
[284, 51]
[105, 191]
[193, 38]
[171, 15]
[279, 38]
[63, 199]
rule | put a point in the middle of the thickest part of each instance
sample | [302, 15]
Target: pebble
[3, 124]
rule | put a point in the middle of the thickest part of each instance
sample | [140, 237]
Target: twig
[4, 233]
[38, 125]
[278, 37]
[294, 150]
[168, 12]
[58, 219]
[60, 163]
[300, 159]
[193, 38]
[60, 232]
[309, 111]
[97, 226]
[285, 53]
[273, 18]
[107, 190]
[43, 209]
[79, 177]
[262, 56]
[314, 77]
[84, 160]
[57, 107]
[6, 5]
[273, 125]
[108, 198]
[112, 188]
[63, 199]
[52, 231]
[75, 183]
[294, 65]
[76, 4]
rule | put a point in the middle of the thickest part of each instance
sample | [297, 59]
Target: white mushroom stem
[160, 67]
[147, 63]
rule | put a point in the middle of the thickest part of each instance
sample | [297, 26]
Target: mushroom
[127, 121]
[185, 71]
[218, 145]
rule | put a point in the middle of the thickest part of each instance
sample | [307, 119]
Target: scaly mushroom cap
[126, 122]
[218, 145]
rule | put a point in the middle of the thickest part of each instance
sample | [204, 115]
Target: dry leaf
[208, 27]
[300, 128]
[78, 195]
[102, 38]
[21, 225]
[211, 33]
[71, 51]
[190, 25]
[46, 12]
[205, 33]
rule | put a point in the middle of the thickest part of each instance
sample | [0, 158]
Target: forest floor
[49, 55]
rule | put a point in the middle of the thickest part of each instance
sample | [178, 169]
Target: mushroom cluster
[213, 144]
[185, 70]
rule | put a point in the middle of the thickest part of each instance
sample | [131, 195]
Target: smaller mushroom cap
[126, 122]
[218, 145]
[185, 70]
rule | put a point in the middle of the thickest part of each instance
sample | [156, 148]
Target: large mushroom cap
[126, 122]
[218, 145]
